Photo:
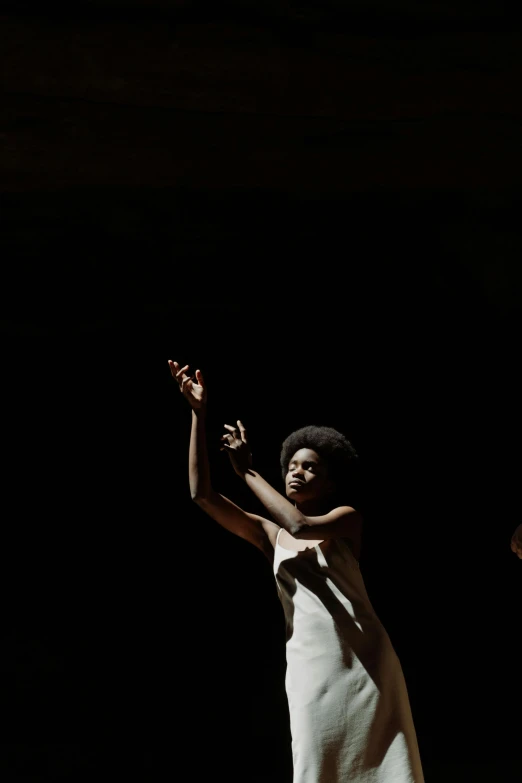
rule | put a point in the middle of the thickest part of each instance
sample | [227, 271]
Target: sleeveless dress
[350, 715]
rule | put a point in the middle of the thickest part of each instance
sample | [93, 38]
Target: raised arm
[340, 522]
[257, 530]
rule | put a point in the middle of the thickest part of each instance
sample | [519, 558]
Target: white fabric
[350, 715]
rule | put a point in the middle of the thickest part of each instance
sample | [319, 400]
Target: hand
[195, 393]
[235, 443]
[516, 542]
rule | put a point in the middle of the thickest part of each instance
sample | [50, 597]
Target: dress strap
[278, 534]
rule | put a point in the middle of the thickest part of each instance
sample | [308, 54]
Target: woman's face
[307, 477]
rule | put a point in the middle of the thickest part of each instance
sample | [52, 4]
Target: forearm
[280, 509]
[199, 470]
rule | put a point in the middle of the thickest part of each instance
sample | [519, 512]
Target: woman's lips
[296, 484]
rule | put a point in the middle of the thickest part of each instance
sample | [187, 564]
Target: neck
[314, 508]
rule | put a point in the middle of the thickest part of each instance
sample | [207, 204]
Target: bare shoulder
[344, 512]
[340, 522]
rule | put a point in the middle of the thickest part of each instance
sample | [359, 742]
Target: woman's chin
[293, 492]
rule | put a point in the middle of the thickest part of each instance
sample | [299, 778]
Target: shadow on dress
[361, 635]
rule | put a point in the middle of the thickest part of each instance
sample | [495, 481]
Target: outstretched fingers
[238, 432]
[176, 370]
[227, 439]
[191, 384]
[181, 372]
[181, 376]
[177, 373]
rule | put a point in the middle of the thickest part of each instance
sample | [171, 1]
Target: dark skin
[516, 542]
[305, 514]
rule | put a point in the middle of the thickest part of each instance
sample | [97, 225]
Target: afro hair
[334, 447]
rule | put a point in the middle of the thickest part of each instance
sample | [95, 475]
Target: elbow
[297, 528]
[198, 497]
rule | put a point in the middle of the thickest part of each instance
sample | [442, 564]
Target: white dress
[350, 715]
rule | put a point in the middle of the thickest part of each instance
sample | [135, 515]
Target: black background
[319, 208]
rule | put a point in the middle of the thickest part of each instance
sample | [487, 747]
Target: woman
[350, 716]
